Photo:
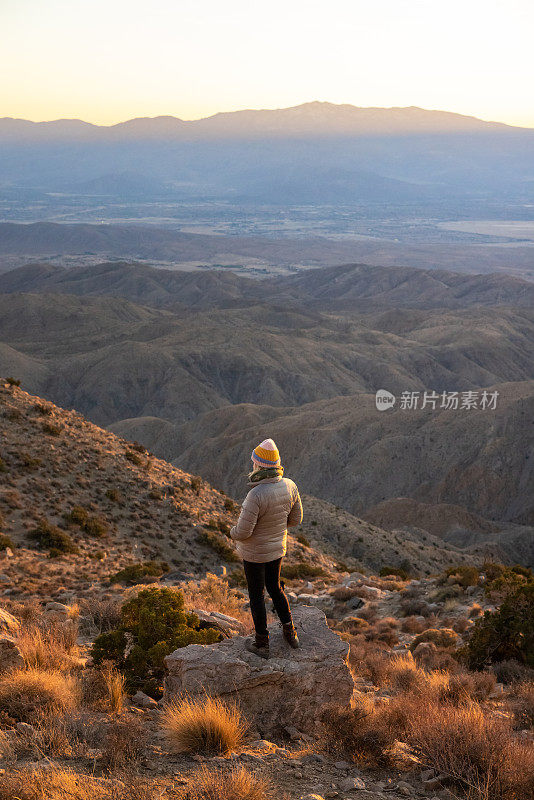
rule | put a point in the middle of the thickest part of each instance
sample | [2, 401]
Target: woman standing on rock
[271, 506]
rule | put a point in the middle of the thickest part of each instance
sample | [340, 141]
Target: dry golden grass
[25, 693]
[205, 725]
[214, 594]
[54, 783]
[50, 646]
[238, 784]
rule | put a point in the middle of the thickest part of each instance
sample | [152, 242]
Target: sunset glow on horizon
[106, 62]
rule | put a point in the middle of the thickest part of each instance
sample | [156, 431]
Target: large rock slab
[291, 688]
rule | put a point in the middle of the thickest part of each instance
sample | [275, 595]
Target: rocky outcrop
[290, 689]
[10, 655]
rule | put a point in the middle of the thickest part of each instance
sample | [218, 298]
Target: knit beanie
[266, 454]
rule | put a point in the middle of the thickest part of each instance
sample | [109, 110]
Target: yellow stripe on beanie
[266, 453]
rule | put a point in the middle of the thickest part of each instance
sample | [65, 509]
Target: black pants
[260, 576]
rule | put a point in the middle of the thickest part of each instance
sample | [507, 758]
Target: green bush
[400, 572]
[93, 526]
[302, 570]
[3, 466]
[230, 505]
[216, 543]
[196, 483]
[6, 541]
[501, 580]
[51, 430]
[51, 537]
[115, 495]
[135, 573]
[134, 458]
[441, 637]
[29, 462]
[43, 409]
[153, 625]
[78, 515]
[13, 381]
[507, 633]
[463, 575]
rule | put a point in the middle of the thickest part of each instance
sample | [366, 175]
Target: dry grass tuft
[239, 784]
[124, 743]
[103, 688]
[54, 783]
[50, 646]
[27, 693]
[206, 725]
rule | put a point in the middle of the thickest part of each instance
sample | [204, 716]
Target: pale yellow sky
[110, 60]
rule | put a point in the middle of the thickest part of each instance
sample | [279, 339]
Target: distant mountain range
[313, 118]
[310, 154]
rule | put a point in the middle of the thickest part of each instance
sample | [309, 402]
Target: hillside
[340, 288]
[53, 461]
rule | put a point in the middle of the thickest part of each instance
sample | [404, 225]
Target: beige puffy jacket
[270, 507]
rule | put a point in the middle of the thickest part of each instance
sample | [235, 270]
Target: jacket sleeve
[247, 518]
[296, 514]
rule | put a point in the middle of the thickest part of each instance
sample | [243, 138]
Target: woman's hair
[255, 468]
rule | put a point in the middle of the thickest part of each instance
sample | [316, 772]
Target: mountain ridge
[306, 118]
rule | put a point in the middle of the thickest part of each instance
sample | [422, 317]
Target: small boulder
[291, 688]
[352, 784]
[8, 623]
[142, 700]
[10, 655]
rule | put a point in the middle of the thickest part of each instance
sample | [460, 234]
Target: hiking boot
[259, 645]
[290, 635]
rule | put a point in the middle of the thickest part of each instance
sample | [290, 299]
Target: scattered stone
[25, 728]
[405, 788]
[8, 623]
[342, 765]
[426, 774]
[355, 602]
[351, 784]
[269, 690]
[142, 700]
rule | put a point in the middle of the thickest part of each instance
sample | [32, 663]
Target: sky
[106, 61]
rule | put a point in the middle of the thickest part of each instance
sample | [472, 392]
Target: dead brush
[214, 594]
[477, 751]
[124, 743]
[358, 733]
[205, 725]
[238, 784]
[103, 688]
[369, 660]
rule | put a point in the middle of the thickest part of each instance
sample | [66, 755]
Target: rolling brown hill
[340, 288]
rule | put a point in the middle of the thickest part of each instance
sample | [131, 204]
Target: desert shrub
[464, 575]
[6, 541]
[153, 625]
[78, 515]
[100, 613]
[54, 783]
[507, 633]
[358, 733]
[522, 705]
[29, 462]
[412, 624]
[134, 458]
[370, 660]
[237, 578]
[512, 671]
[124, 743]
[463, 687]
[230, 505]
[25, 693]
[477, 752]
[103, 688]
[342, 594]
[206, 725]
[218, 545]
[115, 495]
[42, 408]
[50, 537]
[196, 483]
[506, 580]
[403, 574]
[301, 539]
[13, 381]
[134, 573]
[302, 570]
[138, 447]
[441, 637]
[238, 784]
[3, 465]
[51, 430]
